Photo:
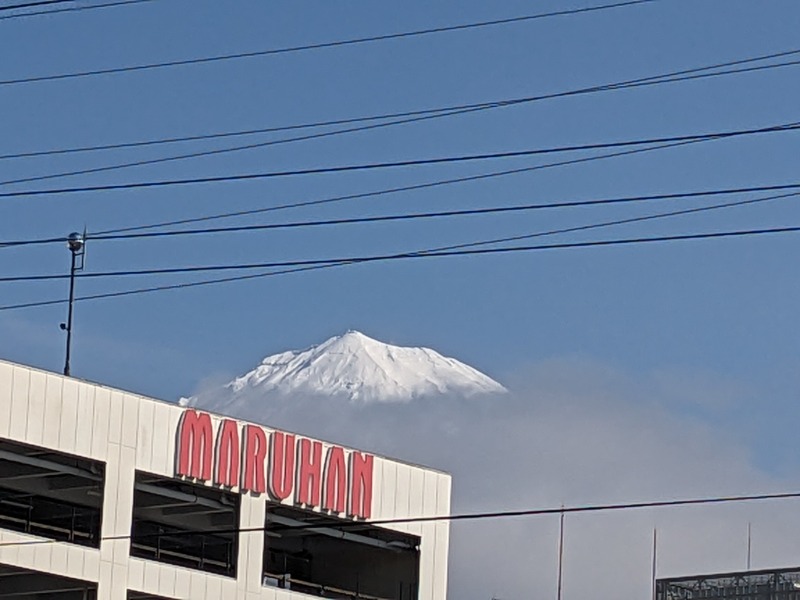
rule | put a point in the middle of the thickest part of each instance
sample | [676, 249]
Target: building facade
[763, 584]
[106, 494]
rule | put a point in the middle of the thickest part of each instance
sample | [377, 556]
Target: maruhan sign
[286, 467]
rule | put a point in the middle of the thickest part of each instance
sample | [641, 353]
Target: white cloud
[574, 432]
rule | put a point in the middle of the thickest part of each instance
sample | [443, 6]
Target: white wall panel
[427, 567]
[9, 551]
[144, 438]
[389, 490]
[197, 587]
[402, 500]
[136, 574]
[75, 560]
[119, 581]
[52, 408]
[125, 484]
[42, 554]
[100, 424]
[213, 588]
[58, 557]
[18, 419]
[130, 419]
[416, 491]
[182, 581]
[115, 417]
[377, 485]
[104, 589]
[27, 553]
[150, 580]
[34, 433]
[166, 580]
[91, 565]
[69, 416]
[163, 439]
[6, 385]
[253, 542]
[83, 441]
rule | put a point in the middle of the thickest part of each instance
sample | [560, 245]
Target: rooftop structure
[106, 494]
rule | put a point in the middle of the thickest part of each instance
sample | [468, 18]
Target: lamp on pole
[76, 244]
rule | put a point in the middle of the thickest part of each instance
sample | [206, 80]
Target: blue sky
[716, 311]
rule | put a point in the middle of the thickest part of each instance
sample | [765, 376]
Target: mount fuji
[351, 367]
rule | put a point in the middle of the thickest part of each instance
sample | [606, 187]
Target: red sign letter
[335, 480]
[309, 473]
[195, 450]
[255, 450]
[227, 454]
[281, 465]
[361, 485]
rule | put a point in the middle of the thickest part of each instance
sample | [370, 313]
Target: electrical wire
[473, 516]
[317, 46]
[403, 256]
[411, 216]
[218, 151]
[343, 263]
[79, 8]
[415, 116]
[274, 129]
[373, 166]
[512, 154]
[33, 4]
[386, 191]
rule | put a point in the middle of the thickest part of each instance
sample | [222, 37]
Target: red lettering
[227, 472]
[360, 485]
[335, 480]
[255, 451]
[309, 473]
[281, 465]
[195, 450]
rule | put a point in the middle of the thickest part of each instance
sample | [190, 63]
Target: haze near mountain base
[353, 367]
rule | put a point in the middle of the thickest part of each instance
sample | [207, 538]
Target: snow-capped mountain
[352, 366]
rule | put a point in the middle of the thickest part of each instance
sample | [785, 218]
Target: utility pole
[76, 244]
[654, 589]
[560, 554]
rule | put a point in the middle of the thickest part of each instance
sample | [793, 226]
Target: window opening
[185, 524]
[309, 552]
[51, 494]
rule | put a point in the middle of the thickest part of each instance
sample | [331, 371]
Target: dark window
[50, 494]
[185, 524]
[20, 584]
[325, 556]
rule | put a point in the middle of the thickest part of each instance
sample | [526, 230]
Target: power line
[79, 8]
[392, 190]
[317, 46]
[373, 166]
[406, 255]
[474, 516]
[496, 103]
[236, 278]
[218, 151]
[409, 117]
[33, 4]
[663, 215]
[414, 216]
[771, 129]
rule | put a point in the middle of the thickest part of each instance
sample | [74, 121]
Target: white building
[106, 494]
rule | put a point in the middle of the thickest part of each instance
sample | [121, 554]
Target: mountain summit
[353, 366]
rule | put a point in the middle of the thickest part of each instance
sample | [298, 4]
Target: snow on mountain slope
[353, 366]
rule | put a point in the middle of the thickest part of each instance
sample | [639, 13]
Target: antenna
[76, 243]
